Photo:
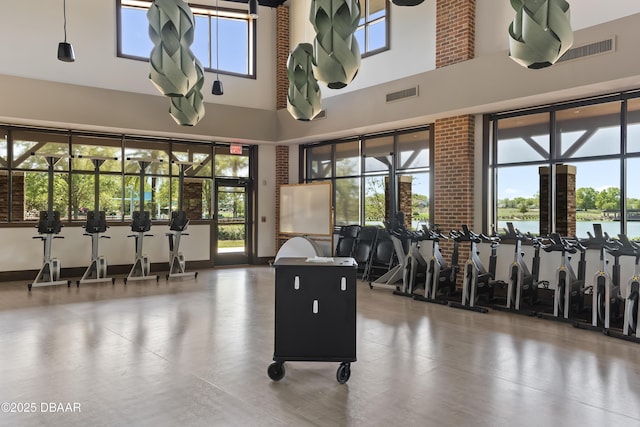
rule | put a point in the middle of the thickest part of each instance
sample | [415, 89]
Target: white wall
[412, 45]
[485, 84]
[74, 249]
[34, 31]
[266, 187]
[494, 17]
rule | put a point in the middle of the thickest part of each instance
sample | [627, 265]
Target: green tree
[608, 199]
[374, 200]
[586, 198]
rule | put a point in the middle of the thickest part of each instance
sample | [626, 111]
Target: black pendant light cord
[217, 41]
[64, 14]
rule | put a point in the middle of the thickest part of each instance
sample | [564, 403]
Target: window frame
[491, 164]
[211, 13]
[364, 12]
[394, 171]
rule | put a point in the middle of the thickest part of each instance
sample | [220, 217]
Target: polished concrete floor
[196, 352]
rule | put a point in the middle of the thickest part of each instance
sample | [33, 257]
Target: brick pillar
[404, 201]
[453, 174]
[282, 54]
[565, 200]
[455, 31]
[17, 195]
[4, 196]
[192, 198]
[282, 177]
[454, 136]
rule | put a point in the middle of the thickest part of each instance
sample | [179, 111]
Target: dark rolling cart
[315, 314]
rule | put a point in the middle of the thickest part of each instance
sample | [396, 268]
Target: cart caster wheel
[29, 287]
[167, 278]
[276, 371]
[68, 283]
[370, 285]
[157, 279]
[78, 284]
[195, 275]
[344, 372]
[125, 280]
[113, 280]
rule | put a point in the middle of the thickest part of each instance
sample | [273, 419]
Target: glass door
[232, 237]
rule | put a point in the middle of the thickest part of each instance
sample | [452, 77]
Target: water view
[611, 227]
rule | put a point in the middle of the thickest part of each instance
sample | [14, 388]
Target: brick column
[17, 195]
[565, 200]
[282, 54]
[282, 177]
[4, 196]
[454, 140]
[455, 31]
[453, 173]
[404, 202]
[192, 198]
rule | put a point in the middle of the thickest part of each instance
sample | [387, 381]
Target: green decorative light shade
[189, 109]
[304, 93]
[407, 2]
[336, 49]
[540, 33]
[171, 29]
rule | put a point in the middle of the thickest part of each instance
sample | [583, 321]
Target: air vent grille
[597, 48]
[403, 94]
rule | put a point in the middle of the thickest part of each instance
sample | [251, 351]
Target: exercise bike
[522, 288]
[178, 225]
[440, 281]
[414, 262]
[477, 279]
[609, 302]
[568, 296]
[49, 226]
[96, 224]
[141, 224]
[630, 329]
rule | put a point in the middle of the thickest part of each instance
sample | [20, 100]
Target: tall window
[236, 33]
[24, 162]
[373, 30]
[586, 141]
[4, 176]
[368, 170]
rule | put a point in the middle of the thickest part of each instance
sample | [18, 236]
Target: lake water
[611, 227]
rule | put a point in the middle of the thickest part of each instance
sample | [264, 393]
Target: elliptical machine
[178, 225]
[476, 277]
[49, 226]
[96, 225]
[440, 281]
[140, 224]
[396, 273]
[523, 284]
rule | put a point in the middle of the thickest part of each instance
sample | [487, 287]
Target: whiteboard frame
[318, 201]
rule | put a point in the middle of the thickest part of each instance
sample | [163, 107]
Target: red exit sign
[235, 149]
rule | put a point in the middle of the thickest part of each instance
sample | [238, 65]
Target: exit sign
[235, 149]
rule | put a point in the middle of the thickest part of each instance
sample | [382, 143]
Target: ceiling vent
[402, 94]
[596, 48]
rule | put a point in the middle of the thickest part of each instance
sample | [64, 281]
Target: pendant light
[540, 33]
[65, 49]
[217, 84]
[253, 9]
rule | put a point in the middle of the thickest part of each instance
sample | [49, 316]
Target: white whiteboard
[306, 209]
